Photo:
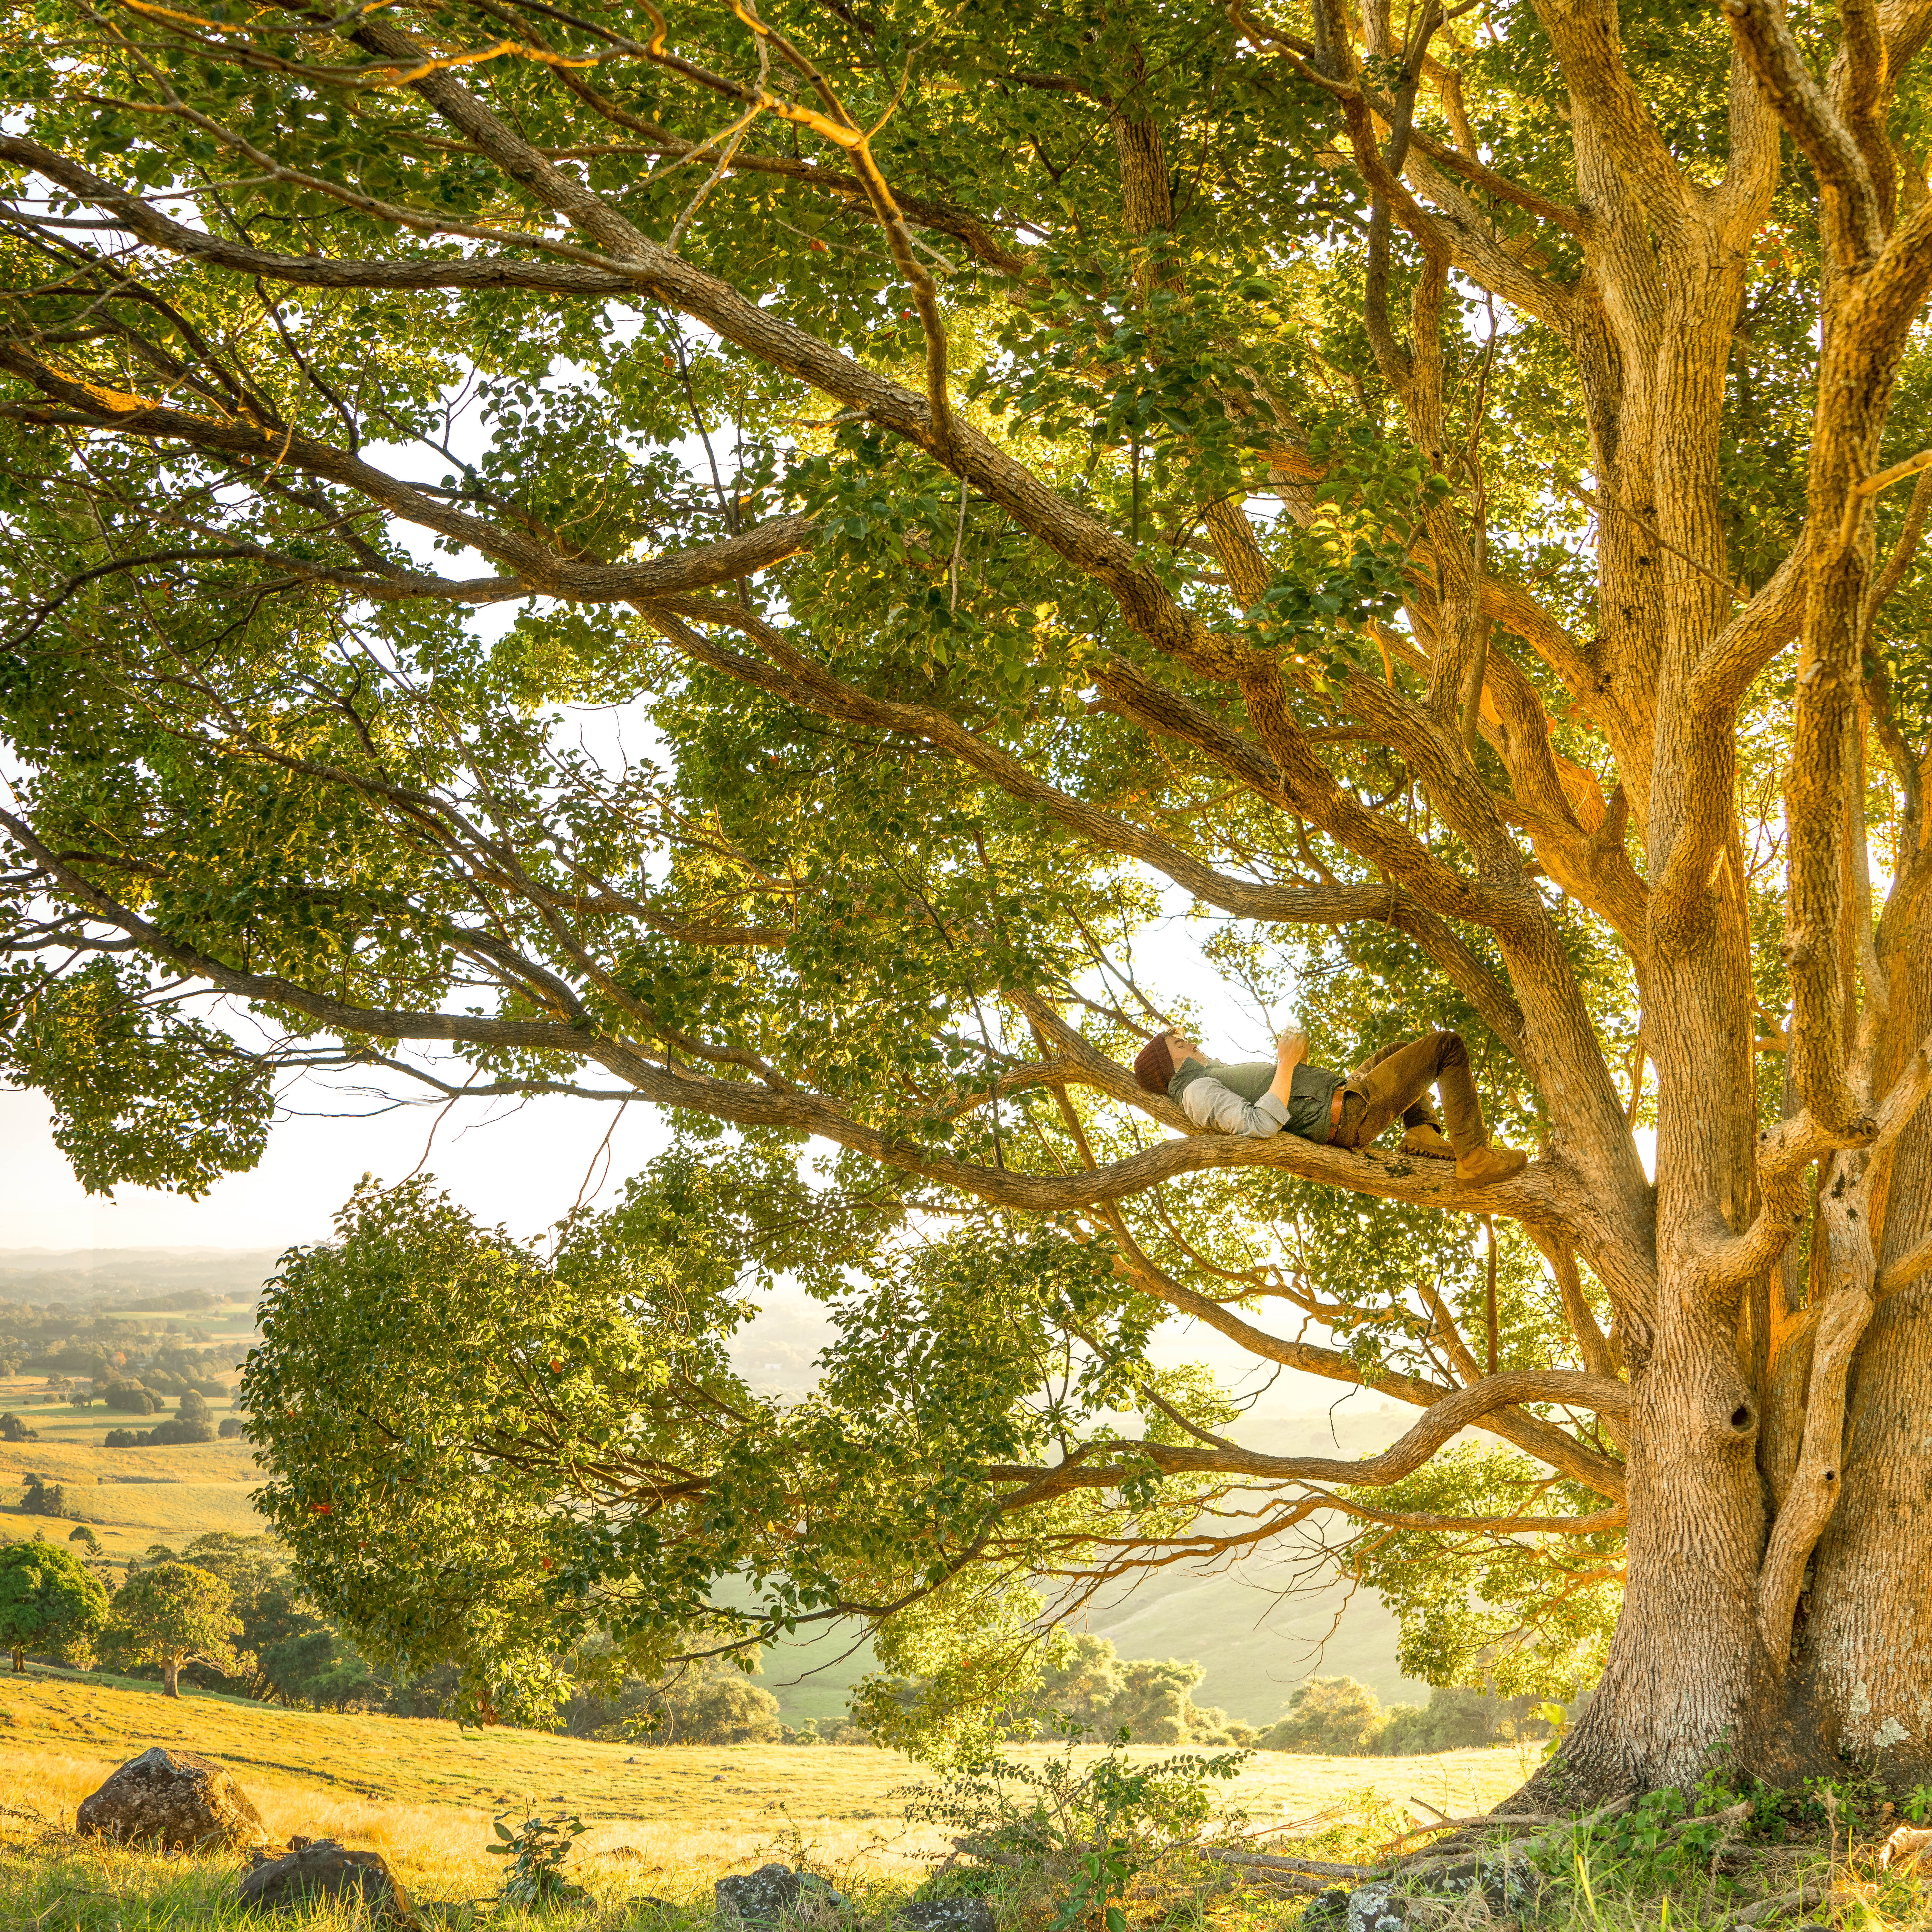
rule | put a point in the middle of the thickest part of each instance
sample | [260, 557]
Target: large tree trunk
[171, 1677]
[1686, 1671]
[1865, 1640]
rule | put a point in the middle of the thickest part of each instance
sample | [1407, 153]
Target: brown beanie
[1155, 1066]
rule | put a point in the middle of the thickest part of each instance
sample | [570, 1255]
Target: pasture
[666, 1822]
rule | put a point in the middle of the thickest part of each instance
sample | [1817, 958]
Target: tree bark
[171, 1677]
[1866, 1627]
[1686, 1670]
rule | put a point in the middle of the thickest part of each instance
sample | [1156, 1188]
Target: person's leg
[1416, 1118]
[1396, 1081]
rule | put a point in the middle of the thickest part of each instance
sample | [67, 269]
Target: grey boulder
[763, 1896]
[961, 1912]
[173, 1801]
[313, 1869]
[1508, 1887]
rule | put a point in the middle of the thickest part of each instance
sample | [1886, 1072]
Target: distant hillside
[122, 1277]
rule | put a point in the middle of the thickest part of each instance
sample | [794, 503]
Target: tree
[12, 1429]
[50, 1604]
[1090, 1684]
[43, 1498]
[1327, 1716]
[173, 1614]
[191, 1424]
[1426, 500]
[131, 1398]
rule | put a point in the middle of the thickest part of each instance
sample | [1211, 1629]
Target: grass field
[668, 1822]
[188, 1489]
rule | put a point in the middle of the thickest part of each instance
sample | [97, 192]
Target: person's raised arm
[1291, 1050]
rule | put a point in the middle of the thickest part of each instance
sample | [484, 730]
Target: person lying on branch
[1347, 1110]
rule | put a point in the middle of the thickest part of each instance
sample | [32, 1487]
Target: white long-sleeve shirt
[1219, 1109]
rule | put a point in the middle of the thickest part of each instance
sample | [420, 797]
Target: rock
[961, 1912]
[173, 1800]
[1507, 1888]
[1371, 1908]
[763, 1897]
[1327, 1908]
[318, 1868]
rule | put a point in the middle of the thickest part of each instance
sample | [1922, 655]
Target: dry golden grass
[204, 1485]
[668, 1822]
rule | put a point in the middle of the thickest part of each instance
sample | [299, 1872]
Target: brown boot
[1427, 1141]
[1486, 1165]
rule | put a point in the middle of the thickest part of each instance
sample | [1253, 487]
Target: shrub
[12, 1429]
[538, 1848]
[1080, 1841]
[123, 1439]
[232, 1425]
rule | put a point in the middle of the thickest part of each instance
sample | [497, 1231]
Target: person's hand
[1292, 1049]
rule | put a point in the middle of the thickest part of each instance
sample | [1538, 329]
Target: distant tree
[12, 1429]
[81, 1535]
[192, 1423]
[173, 1614]
[1327, 1716]
[120, 1439]
[1082, 1683]
[286, 1654]
[232, 1425]
[43, 1498]
[710, 1700]
[1090, 1684]
[50, 1604]
[129, 1398]
[1153, 1703]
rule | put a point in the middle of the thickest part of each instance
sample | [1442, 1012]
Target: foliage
[1327, 1714]
[1082, 1839]
[173, 1614]
[51, 1603]
[705, 1700]
[1089, 1685]
[12, 1429]
[537, 1849]
[42, 1498]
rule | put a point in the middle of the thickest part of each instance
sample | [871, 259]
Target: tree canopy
[174, 1613]
[50, 1604]
[762, 567]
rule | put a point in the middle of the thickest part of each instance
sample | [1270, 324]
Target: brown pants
[1397, 1081]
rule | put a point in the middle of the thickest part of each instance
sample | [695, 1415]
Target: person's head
[1162, 1058]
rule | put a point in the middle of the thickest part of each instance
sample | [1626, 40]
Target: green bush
[1080, 1841]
